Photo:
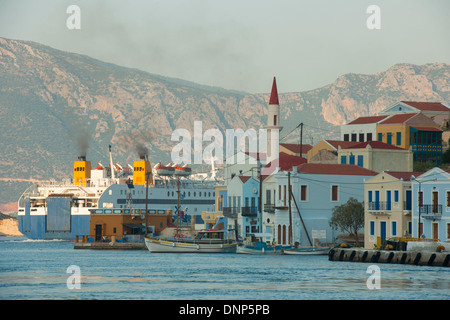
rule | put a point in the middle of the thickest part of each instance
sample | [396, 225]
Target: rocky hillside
[56, 105]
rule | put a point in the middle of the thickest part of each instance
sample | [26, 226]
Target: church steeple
[274, 93]
[273, 124]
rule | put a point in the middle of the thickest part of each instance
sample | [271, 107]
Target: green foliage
[348, 217]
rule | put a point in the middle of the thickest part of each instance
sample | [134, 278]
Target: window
[369, 137]
[389, 138]
[448, 198]
[274, 120]
[395, 195]
[372, 228]
[334, 193]
[353, 136]
[351, 159]
[346, 137]
[303, 193]
[284, 195]
[343, 159]
[361, 137]
[420, 196]
[399, 138]
[279, 192]
[394, 228]
[380, 137]
[361, 161]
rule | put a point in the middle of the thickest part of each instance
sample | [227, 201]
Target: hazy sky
[240, 44]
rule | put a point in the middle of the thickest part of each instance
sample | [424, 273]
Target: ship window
[168, 193]
[195, 194]
[200, 194]
[189, 193]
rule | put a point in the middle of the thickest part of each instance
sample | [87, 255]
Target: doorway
[98, 232]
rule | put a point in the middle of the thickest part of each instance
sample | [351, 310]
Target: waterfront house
[361, 129]
[294, 149]
[377, 156]
[325, 151]
[431, 205]
[436, 111]
[388, 206]
[316, 189]
[413, 130]
[242, 205]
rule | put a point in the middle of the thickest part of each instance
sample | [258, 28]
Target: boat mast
[178, 205]
[290, 212]
[147, 174]
[301, 219]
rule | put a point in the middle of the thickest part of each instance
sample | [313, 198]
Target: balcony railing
[231, 212]
[379, 206]
[269, 207]
[435, 209]
[249, 211]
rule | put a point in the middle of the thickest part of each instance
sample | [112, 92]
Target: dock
[110, 245]
[422, 258]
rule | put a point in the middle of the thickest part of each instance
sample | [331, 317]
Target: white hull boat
[207, 241]
[306, 251]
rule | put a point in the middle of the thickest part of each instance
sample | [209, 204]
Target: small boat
[167, 170]
[182, 170]
[206, 241]
[306, 251]
[257, 245]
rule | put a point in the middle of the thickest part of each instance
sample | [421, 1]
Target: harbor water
[35, 270]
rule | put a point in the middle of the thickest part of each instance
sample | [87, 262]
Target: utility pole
[290, 214]
[260, 196]
[301, 139]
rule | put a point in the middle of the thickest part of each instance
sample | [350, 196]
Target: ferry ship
[62, 210]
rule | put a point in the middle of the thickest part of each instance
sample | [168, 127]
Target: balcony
[231, 212]
[379, 207]
[249, 211]
[269, 207]
[431, 211]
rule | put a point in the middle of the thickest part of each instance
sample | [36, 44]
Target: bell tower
[273, 125]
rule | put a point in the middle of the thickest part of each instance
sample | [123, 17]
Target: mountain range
[56, 105]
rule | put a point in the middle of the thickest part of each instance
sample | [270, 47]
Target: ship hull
[163, 246]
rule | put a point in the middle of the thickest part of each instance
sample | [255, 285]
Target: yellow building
[328, 145]
[377, 156]
[388, 204]
[294, 149]
[414, 130]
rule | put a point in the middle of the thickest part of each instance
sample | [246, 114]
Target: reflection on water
[37, 270]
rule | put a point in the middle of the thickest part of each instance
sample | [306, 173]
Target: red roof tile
[244, 178]
[426, 128]
[334, 169]
[427, 106]
[374, 145]
[274, 93]
[367, 120]
[343, 144]
[285, 163]
[398, 118]
[296, 147]
[405, 175]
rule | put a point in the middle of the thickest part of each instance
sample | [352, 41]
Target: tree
[348, 217]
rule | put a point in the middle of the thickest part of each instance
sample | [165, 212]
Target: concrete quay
[110, 245]
[422, 258]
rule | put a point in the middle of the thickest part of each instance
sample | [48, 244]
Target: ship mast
[178, 205]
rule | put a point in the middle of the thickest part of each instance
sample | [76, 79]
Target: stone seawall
[423, 258]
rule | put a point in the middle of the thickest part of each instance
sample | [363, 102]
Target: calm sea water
[37, 270]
